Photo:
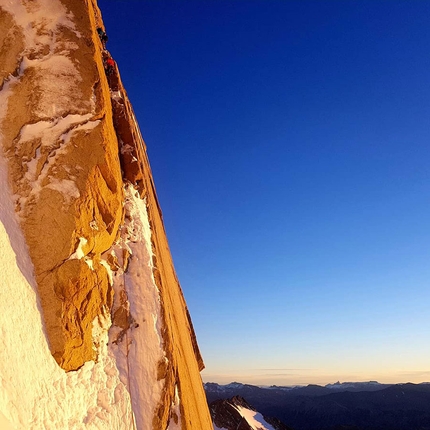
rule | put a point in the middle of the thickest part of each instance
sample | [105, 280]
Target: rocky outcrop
[78, 170]
[226, 415]
[237, 414]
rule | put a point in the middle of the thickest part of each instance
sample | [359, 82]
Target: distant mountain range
[339, 406]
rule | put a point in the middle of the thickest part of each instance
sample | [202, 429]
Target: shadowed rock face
[225, 415]
[72, 144]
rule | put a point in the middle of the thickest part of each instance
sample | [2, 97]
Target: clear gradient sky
[289, 142]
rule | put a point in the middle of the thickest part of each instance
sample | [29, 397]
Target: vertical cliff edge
[95, 329]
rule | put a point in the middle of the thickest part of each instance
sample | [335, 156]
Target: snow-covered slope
[95, 333]
[254, 419]
[236, 413]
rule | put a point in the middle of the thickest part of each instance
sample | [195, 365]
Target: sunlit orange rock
[71, 149]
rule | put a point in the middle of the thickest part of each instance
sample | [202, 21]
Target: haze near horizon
[289, 145]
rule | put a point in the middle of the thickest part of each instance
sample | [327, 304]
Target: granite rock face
[73, 148]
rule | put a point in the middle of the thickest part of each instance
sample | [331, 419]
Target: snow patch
[57, 84]
[50, 15]
[105, 264]
[54, 138]
[89, 262]
[254, 419]
[67, 188]
[5, 93]
[50, 131]
[116, 95]
[79, 253]
[175, 413]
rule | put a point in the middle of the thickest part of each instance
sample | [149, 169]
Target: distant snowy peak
[362, 385]
[234, 385]
[214, 387]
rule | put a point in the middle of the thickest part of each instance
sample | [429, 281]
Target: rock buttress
[72, 145]
[61, 148]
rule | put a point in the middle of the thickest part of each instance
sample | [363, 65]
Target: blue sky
[289, 142]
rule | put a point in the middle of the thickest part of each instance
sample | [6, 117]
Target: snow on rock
[175, 419]
[79, 253]
[46, 58]
[49, 14]
[137, 320]
[67, 188]
[234, 413]
[49, 65]
[54, 137]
